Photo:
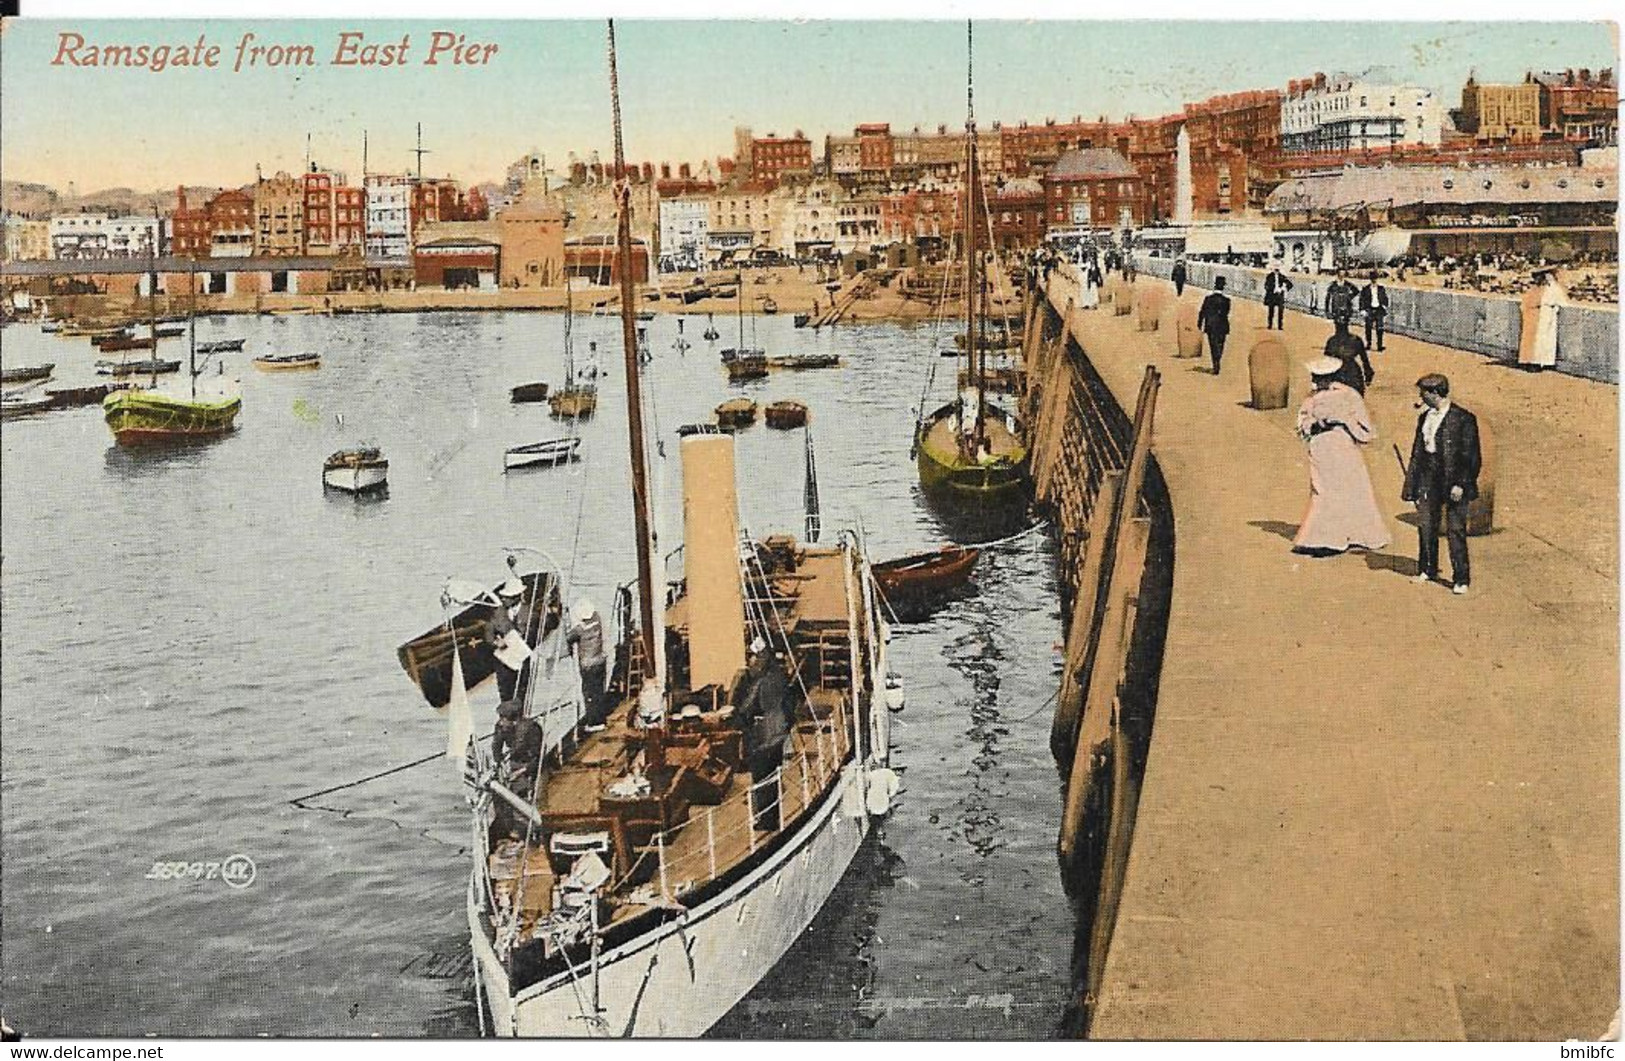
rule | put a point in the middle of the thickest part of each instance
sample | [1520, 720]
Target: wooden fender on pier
[1147, 307]
[1267, 371]
[1188, 341]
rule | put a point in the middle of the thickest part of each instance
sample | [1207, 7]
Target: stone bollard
[1188, 338]
[1122, 298]
[1267, 371]
[1481, 511]
[1147, 307]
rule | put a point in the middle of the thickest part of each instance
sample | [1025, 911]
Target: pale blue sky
[685, 86]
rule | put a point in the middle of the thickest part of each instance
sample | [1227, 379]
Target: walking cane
[1406, 472]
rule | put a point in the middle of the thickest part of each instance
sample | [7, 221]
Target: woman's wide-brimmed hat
[1324, 366]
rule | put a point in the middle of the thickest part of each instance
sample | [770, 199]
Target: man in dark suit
[1340, 298]
[1213, 320]
[1442, 479]
[1179, 277]
[1347, 348]
[1276, 285]
[1374, 303]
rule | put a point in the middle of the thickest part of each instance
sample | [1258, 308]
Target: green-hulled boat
[147, 417]
[971, 460]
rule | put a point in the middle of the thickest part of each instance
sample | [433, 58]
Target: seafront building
[1318, 163]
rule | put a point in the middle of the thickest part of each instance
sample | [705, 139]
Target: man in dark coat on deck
[1213, 320]
[1442, 479]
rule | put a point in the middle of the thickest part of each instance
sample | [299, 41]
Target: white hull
[679, 980]
[355, 480]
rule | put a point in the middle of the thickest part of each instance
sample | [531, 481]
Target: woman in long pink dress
[1343, 511]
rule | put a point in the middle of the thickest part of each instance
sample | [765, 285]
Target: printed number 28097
[184, 871]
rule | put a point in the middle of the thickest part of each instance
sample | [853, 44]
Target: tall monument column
[1183, 193]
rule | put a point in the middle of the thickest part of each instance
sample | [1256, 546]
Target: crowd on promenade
[1335, 425]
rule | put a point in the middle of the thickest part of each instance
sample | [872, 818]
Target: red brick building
[594, 259]
[1576, 106]
[349, 219]
[1235, 142]
[1018, 214]
[190, 232]
[875, 154]
[231, 223]
[1029, 150]
[1093, 187]
[319, 211]
[774, 157]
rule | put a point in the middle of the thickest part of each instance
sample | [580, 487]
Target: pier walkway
[1372, 810]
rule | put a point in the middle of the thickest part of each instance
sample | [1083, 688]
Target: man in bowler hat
[1213, 320]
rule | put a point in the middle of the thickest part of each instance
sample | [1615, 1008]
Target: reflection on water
[195, 635]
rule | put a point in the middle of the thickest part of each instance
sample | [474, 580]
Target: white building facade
[78, 236]
[389, 209]
[1348, 113]
[134, 237]
[685, 222]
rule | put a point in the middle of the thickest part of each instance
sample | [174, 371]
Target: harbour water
[193, 637]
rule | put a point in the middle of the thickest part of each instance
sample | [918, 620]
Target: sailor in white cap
[586, 639]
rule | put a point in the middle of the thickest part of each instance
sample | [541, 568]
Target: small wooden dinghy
[15, 405]
[27, 373]
[736, 413]
[769, 306]
[527, 392]
[114, 344]
[803, 319]
[910, 582]
[427, 657]
[149, 367]
[356, 471]
[221, 346]
[287, 362]
[72, 397]
[800, 361]
[787, 414]
[548, 453]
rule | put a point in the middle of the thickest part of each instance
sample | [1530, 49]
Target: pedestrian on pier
[1374, 303]
[1346, 347]
[1334, 423]
[1276, 285]
[1340, 298]
[1442, 479]
[1178, 277]
[1213, 320]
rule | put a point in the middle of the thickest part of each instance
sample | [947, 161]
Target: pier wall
[1358, 817]
[1095, 477]
[1587, 336]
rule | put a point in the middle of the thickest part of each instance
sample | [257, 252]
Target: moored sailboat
[140, 417]
[641, 874]
[970, 457]
[578, 397]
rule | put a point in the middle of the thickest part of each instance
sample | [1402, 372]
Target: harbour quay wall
[1096, 479]
[1587, 336]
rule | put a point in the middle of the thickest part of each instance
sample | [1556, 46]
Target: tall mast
[634, 396]
[972, 263]
[152, 313]
[191, 328]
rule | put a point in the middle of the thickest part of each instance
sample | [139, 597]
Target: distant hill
[40, 200]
